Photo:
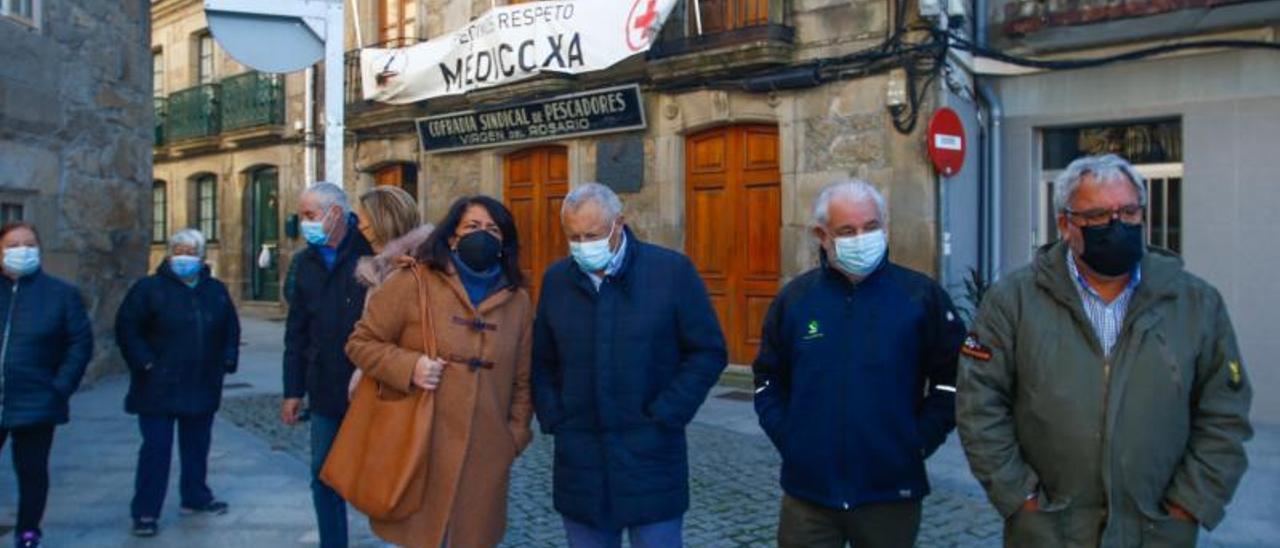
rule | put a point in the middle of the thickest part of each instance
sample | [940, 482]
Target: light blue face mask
[22, 261]
[595, 255]
[185, 266]
[859, 255]
[313, 231]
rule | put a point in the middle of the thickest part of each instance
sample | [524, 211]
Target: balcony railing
[696, 25]
[252, 99]
[194, 112]
[353, 87]
[162, 112]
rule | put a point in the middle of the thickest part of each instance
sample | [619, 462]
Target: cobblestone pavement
[733, 481]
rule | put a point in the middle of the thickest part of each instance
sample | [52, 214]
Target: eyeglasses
[1100, 216]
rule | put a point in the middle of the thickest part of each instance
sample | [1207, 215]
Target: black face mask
[1114, 248]
[479, 250]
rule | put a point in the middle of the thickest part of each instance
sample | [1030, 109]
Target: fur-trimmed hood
[372, 271]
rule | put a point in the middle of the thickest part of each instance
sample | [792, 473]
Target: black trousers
[152, 479]
[888, 525]
[31, 446]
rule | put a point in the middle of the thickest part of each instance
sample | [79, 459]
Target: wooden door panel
[710, 246]
[520, 170]
[557, 159]
[757, 306]
[733, 205]
[537, 180]
[556, 246]
[522, 210]
[388, 176]
[763, 205]
[760, 149]
[706, 152]
[721, 300]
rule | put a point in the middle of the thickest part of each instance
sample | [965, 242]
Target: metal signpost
[287, 36]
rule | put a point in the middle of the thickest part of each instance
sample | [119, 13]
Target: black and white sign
[511, 43]
[607, 110]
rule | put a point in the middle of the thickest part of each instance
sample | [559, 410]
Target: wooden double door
[733, 208]
[536, 182]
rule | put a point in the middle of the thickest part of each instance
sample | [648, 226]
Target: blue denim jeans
[664, 534]
[151, 481]
[331, 510]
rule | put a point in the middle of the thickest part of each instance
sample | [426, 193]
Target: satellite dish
[267, 42]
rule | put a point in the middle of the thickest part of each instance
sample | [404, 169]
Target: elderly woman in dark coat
[180, 335]
[45, 345]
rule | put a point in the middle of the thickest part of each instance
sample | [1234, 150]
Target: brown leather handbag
[378, 461]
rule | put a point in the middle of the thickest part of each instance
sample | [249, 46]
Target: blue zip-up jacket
[617, 374]
[46, 345]
[179, 342]
[855, 384]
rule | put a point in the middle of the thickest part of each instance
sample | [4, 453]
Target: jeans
[31, 446]
[663, 534]
[331, 510]
[152, 478]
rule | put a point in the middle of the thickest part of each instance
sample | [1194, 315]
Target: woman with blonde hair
[386, 214]
[389, 219]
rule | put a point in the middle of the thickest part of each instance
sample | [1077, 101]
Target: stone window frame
[22, 200]
[158, 70]
[198, 40]
[7, 210]
[159, 212]
[202, 219]
[9, 9]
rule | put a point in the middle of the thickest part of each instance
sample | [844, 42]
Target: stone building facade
[729, 176]
[74, 155]
[229, 151]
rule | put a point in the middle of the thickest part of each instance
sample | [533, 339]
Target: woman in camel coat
[483, 327]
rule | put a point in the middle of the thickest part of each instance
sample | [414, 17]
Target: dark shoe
[214, 507]
[28, 539]
[146, 527]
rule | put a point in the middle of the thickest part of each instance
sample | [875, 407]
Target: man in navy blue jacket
[855, 382]
[626, 347]
[326, 303]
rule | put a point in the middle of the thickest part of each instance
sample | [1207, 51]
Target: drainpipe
[992, 179]
[308, 124]
[992, 147]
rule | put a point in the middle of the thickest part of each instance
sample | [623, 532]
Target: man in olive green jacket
[1102, 399]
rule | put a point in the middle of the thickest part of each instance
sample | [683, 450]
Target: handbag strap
[424, 311]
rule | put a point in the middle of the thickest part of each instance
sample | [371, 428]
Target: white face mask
[595, 255]
[859, 255]
[21, 261]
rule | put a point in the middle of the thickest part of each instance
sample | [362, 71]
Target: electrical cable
[922, 61]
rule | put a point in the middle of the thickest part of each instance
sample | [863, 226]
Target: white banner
[511, 43]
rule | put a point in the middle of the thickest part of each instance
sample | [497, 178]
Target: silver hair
[188, 237]
[1103, 168]
[852, 188]
[330, 195]
[593, 192]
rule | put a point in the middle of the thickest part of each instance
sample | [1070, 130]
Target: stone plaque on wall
[620, 162]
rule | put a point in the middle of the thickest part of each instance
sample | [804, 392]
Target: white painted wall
[1229, 103]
